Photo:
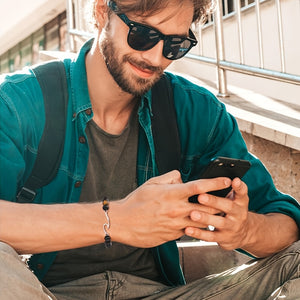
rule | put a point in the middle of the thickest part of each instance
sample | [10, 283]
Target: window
[52, 36]
[229, 5]
[63, 29]
[4, 65]
[38, 42]
[26, 56]
[14, 59]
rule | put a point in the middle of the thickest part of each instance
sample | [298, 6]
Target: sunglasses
[142, 37]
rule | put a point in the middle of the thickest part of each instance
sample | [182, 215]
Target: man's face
[136, 71]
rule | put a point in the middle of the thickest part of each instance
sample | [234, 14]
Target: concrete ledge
[269, 129]
[199, 259]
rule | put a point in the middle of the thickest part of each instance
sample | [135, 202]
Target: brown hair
[150, 7]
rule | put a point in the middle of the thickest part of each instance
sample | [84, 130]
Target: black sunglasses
[142, 37]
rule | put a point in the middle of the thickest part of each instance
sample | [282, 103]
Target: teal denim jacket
[206, 131]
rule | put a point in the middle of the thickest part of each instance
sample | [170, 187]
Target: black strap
[164, 127]
[53, 83]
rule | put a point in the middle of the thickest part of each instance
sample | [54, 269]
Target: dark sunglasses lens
[142, 38]
[176, 48]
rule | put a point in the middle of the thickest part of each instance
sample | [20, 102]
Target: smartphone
[223, 167]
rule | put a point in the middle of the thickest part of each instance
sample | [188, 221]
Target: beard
[129, 83]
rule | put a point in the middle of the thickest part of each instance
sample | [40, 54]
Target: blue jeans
[275, 277]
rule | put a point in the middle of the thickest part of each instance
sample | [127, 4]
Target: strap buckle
[26, 195]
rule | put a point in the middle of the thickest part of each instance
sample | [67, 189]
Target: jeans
[275, 277]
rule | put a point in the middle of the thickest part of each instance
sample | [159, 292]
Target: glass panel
[37, 45]
[228, 6]
[4, 66]
[14, 59]
[26, 57]
[64, 46]
[52, 37]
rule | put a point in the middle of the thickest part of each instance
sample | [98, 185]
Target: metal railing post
[280, 32]
[70, 24]
[220, 53]
[237, 5]
[259, 33]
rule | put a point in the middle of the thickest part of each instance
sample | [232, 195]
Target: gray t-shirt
[111, 172]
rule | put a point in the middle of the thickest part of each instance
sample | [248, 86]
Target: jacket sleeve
[207, 131]
[21, 126]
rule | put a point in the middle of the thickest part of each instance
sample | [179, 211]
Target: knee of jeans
[7, 249]
[295, 247]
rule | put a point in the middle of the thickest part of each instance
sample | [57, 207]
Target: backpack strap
[164, 127]
[52, 79]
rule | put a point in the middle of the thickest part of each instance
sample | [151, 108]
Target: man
[109, 152]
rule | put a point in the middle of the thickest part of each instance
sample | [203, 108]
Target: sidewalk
[199, 259]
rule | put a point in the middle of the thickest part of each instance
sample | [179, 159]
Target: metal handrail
[220, 53]
[249, 70]
[223, 65]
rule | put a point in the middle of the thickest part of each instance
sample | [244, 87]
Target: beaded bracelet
[106, 226]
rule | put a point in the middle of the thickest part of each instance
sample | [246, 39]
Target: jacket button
[78, 184]
[82, 139]
[40, 266]
[88, 111]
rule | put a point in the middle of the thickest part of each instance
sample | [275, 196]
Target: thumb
[239, 187]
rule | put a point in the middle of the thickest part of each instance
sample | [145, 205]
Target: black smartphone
[223, 167]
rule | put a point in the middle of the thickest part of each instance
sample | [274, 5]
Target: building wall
[50, 36]
[283, 163]
[20, 18]
[271, 54]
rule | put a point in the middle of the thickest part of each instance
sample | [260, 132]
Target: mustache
[142, 64]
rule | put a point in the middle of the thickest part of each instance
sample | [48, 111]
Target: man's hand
[231, 229]
[159, 211]
[258, 234]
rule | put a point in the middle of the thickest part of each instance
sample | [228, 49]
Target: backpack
[53, 82]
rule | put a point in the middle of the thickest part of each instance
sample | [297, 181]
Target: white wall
[20, 18]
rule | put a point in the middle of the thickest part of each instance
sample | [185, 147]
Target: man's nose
[154, 55]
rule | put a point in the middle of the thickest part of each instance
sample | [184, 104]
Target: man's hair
[150, 7]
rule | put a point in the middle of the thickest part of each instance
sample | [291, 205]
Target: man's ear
[100, 12]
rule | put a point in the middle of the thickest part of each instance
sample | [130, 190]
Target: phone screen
[223, 167]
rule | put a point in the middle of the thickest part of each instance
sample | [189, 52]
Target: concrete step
[199, 259]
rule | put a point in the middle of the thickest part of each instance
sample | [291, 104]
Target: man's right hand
[159, 210]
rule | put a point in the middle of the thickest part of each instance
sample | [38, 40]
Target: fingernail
[227, 181]
[237, 182]
[189, 231]
[203, 199]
